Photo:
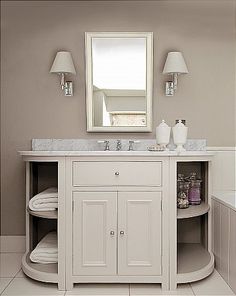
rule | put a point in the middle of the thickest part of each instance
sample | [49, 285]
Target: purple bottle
[194, 194]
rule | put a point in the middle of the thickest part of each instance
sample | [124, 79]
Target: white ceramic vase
[163, 134]
[180, 132]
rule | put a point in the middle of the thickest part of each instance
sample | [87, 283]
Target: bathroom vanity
[117, 220]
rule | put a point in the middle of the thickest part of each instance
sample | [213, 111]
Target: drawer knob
[122, 232]
[117, 173]
[112, 233]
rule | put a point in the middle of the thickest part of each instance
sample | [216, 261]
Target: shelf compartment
[44, 214]
[41, 272]
[193, 211]
[43, 176]
[201, 169]
[194, 262]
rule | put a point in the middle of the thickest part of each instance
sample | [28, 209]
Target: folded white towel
[46, 250]
[46, 200]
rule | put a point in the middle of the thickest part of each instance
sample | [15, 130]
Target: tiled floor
[14, 282]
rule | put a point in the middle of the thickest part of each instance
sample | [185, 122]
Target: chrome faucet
[106, 142]
[118, 145]
[107, 147]
[131, 144]
[131, 147]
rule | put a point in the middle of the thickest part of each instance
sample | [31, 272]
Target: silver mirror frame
[89, 82]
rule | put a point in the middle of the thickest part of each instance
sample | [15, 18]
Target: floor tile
[10, 264]
[20, 274]
[100, 289]
[3, 283]
[212, 285]
[155, 289]
[28, 287]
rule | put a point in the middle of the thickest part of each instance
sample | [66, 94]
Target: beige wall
[33, 105]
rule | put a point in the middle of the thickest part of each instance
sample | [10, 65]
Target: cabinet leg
[61, 286]
[165, 286]
[69, 286]
[173, 286]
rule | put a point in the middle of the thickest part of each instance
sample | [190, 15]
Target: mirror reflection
[119, 81]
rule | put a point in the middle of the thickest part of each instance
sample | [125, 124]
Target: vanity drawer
[104, 173]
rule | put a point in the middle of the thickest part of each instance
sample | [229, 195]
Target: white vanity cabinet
[117, 233]
[117, 220]
[116, 205]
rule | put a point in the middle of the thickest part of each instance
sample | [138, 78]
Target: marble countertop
[117, 153]
[226, 197]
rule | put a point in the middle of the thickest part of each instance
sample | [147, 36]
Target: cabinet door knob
[112, 233]
[122, 232]
[117, 173]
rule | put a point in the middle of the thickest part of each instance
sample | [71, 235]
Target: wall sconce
[62, 65]
[174, 66]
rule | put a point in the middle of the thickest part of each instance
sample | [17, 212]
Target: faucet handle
[131, 144]
[118, 145]
[106, 142]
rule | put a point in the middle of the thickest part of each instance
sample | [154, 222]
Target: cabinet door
[139, 233]
[232, 251]
[94, 233]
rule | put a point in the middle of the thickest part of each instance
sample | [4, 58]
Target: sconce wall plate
[68, 89]
[169, 89]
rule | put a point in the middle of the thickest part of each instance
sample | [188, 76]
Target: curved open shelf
[44, 214]
[40, 272]
[193, 211]
[194, 262]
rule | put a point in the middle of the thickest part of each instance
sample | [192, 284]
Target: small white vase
[163, 134]
[180, 132]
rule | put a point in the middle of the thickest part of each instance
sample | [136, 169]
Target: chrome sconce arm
[67, 86]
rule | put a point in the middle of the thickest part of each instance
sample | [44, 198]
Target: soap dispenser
[163, 134]
[180, 132]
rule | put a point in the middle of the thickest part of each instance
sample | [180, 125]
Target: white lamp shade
[63, 63]
[175, 63]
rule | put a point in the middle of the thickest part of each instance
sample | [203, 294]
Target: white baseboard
[12, 244]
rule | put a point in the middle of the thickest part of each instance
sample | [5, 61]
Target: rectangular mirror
[119, 73]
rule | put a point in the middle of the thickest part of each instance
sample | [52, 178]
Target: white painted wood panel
[139, 247]
[94, 244]
[105, 173]
[224, 242]
[224, 230]
[224, 170]
[216, 232]
[232, 251]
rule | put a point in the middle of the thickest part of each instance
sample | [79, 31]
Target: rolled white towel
[46, 250]
[46, 200]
